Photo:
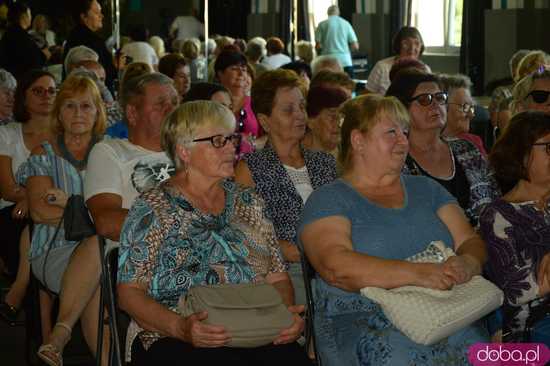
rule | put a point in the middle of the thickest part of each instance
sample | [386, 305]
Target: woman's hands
[192, 330]
[56, 197]
[21, 209]
[293, 332]
[461, 268]
[432, 275]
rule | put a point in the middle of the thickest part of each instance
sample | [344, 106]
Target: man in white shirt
[186, 26]
[119, 169]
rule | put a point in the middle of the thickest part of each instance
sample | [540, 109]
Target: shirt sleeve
[35, 166]
[103, 174]
[375, 79]
[5, 141]
[352, 37]
[134, 258]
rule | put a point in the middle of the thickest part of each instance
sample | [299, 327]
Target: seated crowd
[272, 166]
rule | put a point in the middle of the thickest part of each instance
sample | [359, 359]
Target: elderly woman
[460, 109]
[205, 229]
[530, 63]
[33, 103]
[406, 43]
[175, 67]
[231, 69]
[358, 230]
[516, 227]
[54, 172]
[323, 119]
[7, 92]
[283, 172]
[531, 92]
[456, 164]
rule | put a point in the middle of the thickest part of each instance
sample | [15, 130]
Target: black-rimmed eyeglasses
[545, 144]
[465, 107]
[219, 141]
[539, 96]
[426, 99]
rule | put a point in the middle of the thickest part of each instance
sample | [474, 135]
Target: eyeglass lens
[539, 96]
[426, 99]
[219, 141]
[40, 91]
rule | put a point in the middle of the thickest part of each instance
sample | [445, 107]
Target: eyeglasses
[39, 91]
[545, 144]
[466, 107]
[539, 96]
[219, 141]
[426, 99]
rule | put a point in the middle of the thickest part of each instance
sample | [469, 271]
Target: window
[440, 23]
[318, 13]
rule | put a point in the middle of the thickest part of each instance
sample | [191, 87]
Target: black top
[83, 36]
[19, 53]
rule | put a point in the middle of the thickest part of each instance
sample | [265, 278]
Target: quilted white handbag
[426, 315]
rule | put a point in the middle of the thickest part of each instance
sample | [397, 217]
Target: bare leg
[46, 304]
[16, 294]
[79, 286]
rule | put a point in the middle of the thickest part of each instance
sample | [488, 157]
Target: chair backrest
[309, 274]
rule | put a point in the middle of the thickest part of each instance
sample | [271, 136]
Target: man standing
[335, 37]
[89, 19]
[119, 169]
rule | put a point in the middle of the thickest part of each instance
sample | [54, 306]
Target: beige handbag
[426, 315]
[253, 314]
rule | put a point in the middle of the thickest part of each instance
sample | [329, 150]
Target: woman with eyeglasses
[516, 227]
[33, 102]
[199, 228]
[460, 109]
[284, 172]
[454, 163]
[531, 92]
[53, 173]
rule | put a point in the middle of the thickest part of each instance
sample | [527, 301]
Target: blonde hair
[72, 86]
[531, 63]
[158, 45]
[305, 51]
[191, 48]
[524, 87]
[363, 113]
[181, 125]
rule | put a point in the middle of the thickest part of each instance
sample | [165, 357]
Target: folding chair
[309, 275]
[109, 262]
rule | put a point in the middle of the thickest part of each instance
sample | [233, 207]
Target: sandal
[49, 353]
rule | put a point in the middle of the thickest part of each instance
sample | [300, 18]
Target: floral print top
[170, 246]
[517, 237]
[483, 185]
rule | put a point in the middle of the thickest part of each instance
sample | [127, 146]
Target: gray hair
[7, 81]
[333, 10]
[135, 87]
[181, 125]
[255, 50]
[456, 81]
[78, 54]
[321, 62]
[515, 59]
[82, 71]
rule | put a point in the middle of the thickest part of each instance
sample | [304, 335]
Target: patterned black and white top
[283, 203]
[483, 187]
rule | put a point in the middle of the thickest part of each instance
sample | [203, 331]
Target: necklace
[78, 164]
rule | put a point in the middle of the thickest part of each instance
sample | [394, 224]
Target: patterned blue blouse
[170, 246]
[66, 178]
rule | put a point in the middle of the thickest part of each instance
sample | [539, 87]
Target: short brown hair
[170, 63]
[274, 45]
[324, 77]
[266, 85]
[362, 113]
[406, 32]
[72, 86]
[508, 155]
[20, 113]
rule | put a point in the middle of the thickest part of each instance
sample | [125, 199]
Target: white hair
[325, 62]
[7, 81]
[78, 54]
[333, 10]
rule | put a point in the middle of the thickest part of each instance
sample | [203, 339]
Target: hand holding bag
[252, 314]
[426, 315]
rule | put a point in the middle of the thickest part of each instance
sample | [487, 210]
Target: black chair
[309, 274]
[117, 325]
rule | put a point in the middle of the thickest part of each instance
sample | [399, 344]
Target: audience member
[514, 61]
[532, 92]
[89, 19]
[530, 63]
[175, 67]
[358, 230]
[336, 37]
[275, 57]
[77, 55]
[18, 52]
[456, 164]
[325, 62]
[302, 69]
[460, 109]
[7, 92]
[333, 79]
[516, 227]
[500, 112]
[408, 43]
[158, 45]
[51, 175]
[255, 51]
[41, 33]
[305, 51]
[283, 172]
[323, 123]
[138, 50]
[197, 63]
[209, 91]
[200, 201]
[187, 26]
